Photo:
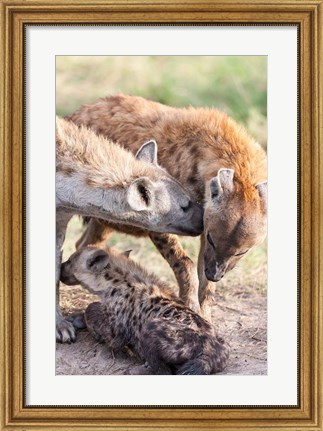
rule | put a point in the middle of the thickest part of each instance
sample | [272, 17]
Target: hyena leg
[65, 331]
[96, 233]
[182, 266]
[206, 287]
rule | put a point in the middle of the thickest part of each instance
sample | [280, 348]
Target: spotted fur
[140, 312]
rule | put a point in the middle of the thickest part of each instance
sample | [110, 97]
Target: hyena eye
[186, 207]
[242, 252]
[210, 241]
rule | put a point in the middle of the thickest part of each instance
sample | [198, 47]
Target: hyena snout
[216, 271]
[67, 277]
[193, 218]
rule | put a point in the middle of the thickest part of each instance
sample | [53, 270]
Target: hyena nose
[215, 274]
[219, 271]
[212, 276]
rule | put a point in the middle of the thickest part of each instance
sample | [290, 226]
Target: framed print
[87, 67]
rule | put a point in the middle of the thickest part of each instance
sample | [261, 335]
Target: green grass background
[235, 84]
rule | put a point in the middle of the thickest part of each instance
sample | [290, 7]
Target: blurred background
[234, 84]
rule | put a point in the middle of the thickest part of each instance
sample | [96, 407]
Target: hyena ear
[140, 194]
[148, 152]
[127, 253]
[98, 261]
[222, 183]
[262, 190]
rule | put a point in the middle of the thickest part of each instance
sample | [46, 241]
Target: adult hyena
[97, 178]
[215, 159]
[139, 311]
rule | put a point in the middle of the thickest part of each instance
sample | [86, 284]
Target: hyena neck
[74, 196]
[113, 285]
[129, 273]
[95, 159]
[137, 274]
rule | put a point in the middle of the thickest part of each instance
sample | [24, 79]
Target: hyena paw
[65, 332]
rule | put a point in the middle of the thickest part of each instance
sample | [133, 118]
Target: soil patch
[239, 315]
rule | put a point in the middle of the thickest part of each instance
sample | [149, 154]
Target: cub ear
[98, 261]
[262, 190]
[222, 183]
[148, 152]
[140, 195]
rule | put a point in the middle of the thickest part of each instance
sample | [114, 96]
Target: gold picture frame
[15, 15]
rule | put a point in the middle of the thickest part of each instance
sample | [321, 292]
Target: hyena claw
[65, 332]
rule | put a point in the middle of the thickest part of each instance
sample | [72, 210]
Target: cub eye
[242, 252]
[186, 207]
[210, 241]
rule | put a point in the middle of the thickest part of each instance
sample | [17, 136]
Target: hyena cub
[139, 311]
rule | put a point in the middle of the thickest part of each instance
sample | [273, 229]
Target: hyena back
[98, 178]
[215, 159]
[141, 312]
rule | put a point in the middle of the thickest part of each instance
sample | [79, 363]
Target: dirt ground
[239, 311]
[239, 314]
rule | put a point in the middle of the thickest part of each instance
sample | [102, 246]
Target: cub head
[87, 265]
[233, 222]
[83, 266]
